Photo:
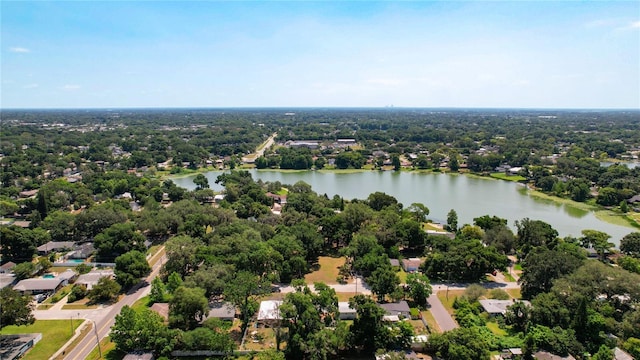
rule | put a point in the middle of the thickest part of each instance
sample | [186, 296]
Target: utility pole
[95, 330]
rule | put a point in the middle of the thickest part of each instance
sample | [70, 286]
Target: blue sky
[543, 54]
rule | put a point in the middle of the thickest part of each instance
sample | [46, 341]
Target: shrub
[77, 292]
[474, 292]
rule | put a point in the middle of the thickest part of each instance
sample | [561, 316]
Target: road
[103, 319]
[261, 149]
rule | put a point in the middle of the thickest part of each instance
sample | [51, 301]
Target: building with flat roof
[15, 346]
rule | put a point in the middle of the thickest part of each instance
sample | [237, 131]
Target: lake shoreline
[603, 214]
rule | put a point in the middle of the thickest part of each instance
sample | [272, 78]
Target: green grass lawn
[433, 325]
[141, 303]
[495, 328]
[515, 293]
[509, 277]
[327, 272]
[448, 302]
[55, 333]
[503, 176]
[402, 275]
[108, 349]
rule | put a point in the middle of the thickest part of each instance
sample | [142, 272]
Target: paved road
[358, 286]
[440, 314]
[104, 319]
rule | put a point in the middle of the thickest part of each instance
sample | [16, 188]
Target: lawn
[402, 275]
[509, 277]
[495, 328]
[503, 176]
[141, 304]
[431, 321]
[327, 271]
[108, 349]
[262, 339]
[55, 333]
[448, 302]
[515, 293]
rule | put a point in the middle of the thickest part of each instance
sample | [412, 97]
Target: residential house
[162, 309]
[28, 193]
[91, 278]
[511, 354]
[346, 311]
[38, 286]
[82, 251]
[269, 312]
[67, 277]
[6, 267]
[544, 355]
[222, 311]
[498, 307]
[7, 280]
[139, 356]
[411, 265]
[15, 346]
[55, 246]
[396, 310]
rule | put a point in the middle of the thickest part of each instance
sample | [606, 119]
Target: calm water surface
[470, 197]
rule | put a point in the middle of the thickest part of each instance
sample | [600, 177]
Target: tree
[201, 182]
[630, 244]
[459, 344]
[383, 281]
[501, 238]
[158, 291]
[487, 222]
[368, 332]
[117, 240]
[598, 241]
[379, 200]
[242, 290]
[395, 161]
[419, 289]
[15, 308]
[419, 212]
[106, 290]
[452, 220]
[518, 315]
[542, 266]
[17, 246]
[181, 255]
[24, 270]
[188, 308]
[204, 338]
[130, 268]
[534, 233]
[144, 330]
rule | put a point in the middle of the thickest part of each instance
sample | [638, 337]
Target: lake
[470, 196]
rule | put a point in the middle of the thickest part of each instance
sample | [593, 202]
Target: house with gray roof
[38, 286]
[222, 311]
[55, 246]
[91, 278]
[400, 308]
[498, 307]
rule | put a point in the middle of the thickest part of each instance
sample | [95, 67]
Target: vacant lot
[327, 271]
[55, 333]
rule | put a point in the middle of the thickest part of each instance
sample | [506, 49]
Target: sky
[478, 54]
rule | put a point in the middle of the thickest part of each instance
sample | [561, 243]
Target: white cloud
[635, 25]
[70, 87]
[386, 81]
[30, 86]
[19, 50]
